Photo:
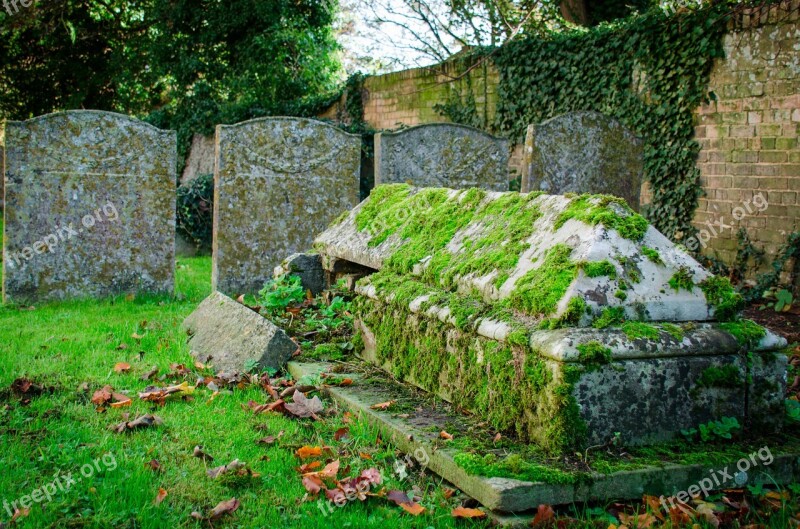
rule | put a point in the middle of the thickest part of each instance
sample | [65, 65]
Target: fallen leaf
[383, 405]
[446, 436]
[159, 395]
[150, 375]
[122, 367]
[544, 516]
[304, 407]
[464, 512]
[19, 513]
[270, 439]
[234, 465]
[398, 496]
[308, 467]
[198, 452]
[638, 521]
[448, 493]
[497, 438]
[154, 465]
[415, 509]
[224, 507]
[141, 422]
[347, 418]
[102, 396]
[364, 455]
[329, 472]
[162, 493]
[306, 452]
[341, 433]
[137, 336]
[312, 484]
[120, 400]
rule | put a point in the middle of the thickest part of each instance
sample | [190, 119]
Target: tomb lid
[569, 259]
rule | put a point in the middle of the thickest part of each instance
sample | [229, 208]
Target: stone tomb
[278, 182]
[583, 152]
[442, 155]
[567, 319]
[89, 207]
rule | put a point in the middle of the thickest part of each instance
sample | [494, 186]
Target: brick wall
[748, 137]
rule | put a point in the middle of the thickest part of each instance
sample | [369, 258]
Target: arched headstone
[583, 152]
[278, 183]
[90, 207]
[442, 155]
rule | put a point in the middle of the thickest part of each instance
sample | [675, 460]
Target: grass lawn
[66, 345]
[73, 345]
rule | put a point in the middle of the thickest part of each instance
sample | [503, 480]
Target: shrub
[195, 210]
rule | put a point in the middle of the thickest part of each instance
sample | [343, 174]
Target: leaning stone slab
[469, 467]
[442, 155]
[89, 207]
[278, 182]
[569, 320]
[231, 337]
[583, 152]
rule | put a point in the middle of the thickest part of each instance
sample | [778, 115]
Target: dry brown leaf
[198, 452]
[446, 436]
[224, 507]
[234, 465]
[415, 509]
[544, 516]
[304, 407]
[313, 484]
[364, 455]
[497, 437]
[638, 521]
[162, 493]
[154, 465]
[341, 433]
[329, 472]
[398, 497]
[141, 422]
[308, 467]
[306, 452]
[448, 493]
[122, 367]
[465, 512]
[102, 396]
[347, 418]
[383, 405]
[136, 336]
[150, 375]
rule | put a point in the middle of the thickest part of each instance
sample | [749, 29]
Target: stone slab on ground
[278, 182]
[442, 155]
[583, 152]
[89, 207]
[417, 432]
[231, 337]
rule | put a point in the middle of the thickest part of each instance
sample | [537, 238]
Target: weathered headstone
[566, 318]
[583, 152]
[278, 182]
[90, 207]
[308, 267]
[234, 338]
[442, 155]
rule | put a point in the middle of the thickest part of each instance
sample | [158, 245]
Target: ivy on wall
[650, 72]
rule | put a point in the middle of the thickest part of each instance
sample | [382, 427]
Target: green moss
[652, 254]
[747, 332]
[512, 466]
[721, 295]
[612, 212]
[599, 269]
[727, 376]
[637, 329]
[673, 330]
[539, 291]
[620, 294]
[610, 316]
[593, 353]
[682, 279]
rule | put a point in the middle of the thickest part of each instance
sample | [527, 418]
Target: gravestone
[567, 318]
[277, 183]
[90, 207]
[583, 152]
[442, 155]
